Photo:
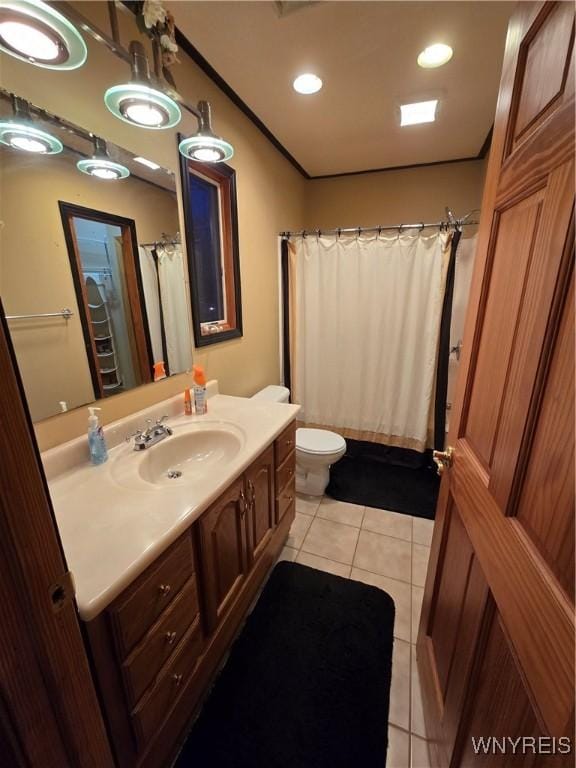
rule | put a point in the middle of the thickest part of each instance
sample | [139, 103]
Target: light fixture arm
[139, 63]
[204, 118]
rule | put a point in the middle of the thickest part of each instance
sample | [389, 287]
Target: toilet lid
[319, 441]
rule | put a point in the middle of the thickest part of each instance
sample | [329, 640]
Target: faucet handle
[134, 434]
[161, 420]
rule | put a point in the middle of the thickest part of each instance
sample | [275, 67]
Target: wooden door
[496, 639]
[49, 712]
[223, 552]
[260, 498]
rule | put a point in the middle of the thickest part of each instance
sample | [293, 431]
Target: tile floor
[390, 551]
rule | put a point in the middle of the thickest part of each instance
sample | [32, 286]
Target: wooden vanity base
[157, 647]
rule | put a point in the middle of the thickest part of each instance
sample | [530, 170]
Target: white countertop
[110, 531]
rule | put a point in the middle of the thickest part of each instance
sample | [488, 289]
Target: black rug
[390, 478]
[307, 683]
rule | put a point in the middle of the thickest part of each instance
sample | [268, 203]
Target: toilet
[316, 449]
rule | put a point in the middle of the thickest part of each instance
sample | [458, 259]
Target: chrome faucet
[151, 435]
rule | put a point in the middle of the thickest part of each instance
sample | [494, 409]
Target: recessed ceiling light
[34, 32]
[418, 112]
[435, 55]
[148, 163]
[307, 83]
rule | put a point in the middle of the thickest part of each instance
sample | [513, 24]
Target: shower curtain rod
[449, 222]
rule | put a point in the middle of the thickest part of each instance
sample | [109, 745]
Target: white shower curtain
[167, 285]
[175, 311]
[365, 318]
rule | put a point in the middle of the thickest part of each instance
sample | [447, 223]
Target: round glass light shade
[33, 31]
[206, 149]
[102, 168]
[28, 138]
[307, 84]
[435, 56]
[141, 105]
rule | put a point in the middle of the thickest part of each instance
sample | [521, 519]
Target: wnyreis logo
[522, 745]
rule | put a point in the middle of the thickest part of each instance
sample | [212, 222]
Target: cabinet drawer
[286, 499]
[285, 443]
[142, 603]
[152, 710]
[285, 473]
[146, 660]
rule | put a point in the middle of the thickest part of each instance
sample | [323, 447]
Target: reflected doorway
[102, 248]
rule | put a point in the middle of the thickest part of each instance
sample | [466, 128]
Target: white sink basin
[190, 454]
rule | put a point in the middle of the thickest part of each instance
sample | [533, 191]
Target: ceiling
[365, 52]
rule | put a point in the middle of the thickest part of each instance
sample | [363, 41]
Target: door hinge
[62, 592]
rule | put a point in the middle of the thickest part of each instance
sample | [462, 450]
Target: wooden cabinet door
[496, 638]
[260, 498]
[223, 552]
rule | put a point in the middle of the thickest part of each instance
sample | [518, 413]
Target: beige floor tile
[416, 710]
[332, 540]
[307, 505]
[323, 564]
[400, 688]
[420, 555]
[384, 555]
[288, 553]
[417, 597]
[298, 530]
[341, 512]
[388, 523]
[399, 591]
[422, 531]
[419, 754]
[398, 748]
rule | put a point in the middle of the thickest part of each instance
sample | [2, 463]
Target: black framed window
[211, 222]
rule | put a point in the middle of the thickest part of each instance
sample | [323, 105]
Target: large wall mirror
[93, 277]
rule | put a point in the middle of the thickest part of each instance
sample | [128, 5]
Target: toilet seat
[319, 441]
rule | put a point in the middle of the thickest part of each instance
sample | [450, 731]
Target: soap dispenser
[96, 441]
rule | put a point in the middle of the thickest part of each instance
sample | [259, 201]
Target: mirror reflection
[92, 273]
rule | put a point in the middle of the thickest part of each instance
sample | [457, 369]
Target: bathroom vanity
[157, 634]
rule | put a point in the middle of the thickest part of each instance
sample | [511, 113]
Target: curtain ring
[379, 230]
[421, 226]
[400, 229]
[359, 232]
[318, 234]
[338, 232]
[304, 235]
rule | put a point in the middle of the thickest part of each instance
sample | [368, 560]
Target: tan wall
[35, 271]
[410, 195]
[270, 199]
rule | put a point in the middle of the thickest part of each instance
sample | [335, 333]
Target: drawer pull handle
[177, 679]
[288, 442]
[170, 637]
[164, 589]
[289, 498]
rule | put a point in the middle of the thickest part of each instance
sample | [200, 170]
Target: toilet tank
[274, 394]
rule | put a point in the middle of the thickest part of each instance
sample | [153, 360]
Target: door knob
[443, 459]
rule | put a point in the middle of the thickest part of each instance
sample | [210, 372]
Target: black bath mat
[385, 477]
[307, 683]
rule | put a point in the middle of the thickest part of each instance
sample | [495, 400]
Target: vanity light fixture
[139, 102]
[435, 56]
[307, 84]
[100, 164]
[33, 31]
[21, 133]
[418, 112]
[205, 146]
[148, 163]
